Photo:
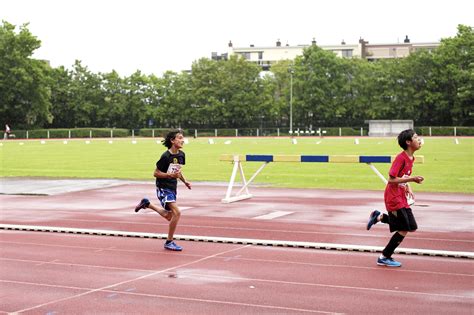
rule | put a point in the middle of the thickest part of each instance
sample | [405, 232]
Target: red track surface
[65, 273]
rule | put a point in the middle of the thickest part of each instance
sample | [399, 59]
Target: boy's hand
[188, 184]
[176, 174]
[418, 179]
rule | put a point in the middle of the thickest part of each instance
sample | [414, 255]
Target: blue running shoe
[373, 218]
[144, 203]
[173, 246]
[389, 262]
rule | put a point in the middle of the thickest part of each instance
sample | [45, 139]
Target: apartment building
[266, 56]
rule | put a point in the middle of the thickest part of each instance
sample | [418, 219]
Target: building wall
[265, 56]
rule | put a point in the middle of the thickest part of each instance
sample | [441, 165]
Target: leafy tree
[61, 105]
[454, 92]
[24, 81]
[320, 87]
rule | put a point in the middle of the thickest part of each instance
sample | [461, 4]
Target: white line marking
[273, 215]
[249, 241]
[46, 262]
[130, 280]
[412, 237]
[175, 298]
[226, 259]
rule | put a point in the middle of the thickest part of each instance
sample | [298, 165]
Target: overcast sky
[155, 36]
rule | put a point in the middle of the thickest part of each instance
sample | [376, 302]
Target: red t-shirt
[395, 194]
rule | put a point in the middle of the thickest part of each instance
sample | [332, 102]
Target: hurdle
[244, 192]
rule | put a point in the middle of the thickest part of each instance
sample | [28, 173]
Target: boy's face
[178, 141]
[414, 143]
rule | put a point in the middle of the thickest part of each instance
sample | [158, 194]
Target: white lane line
[226, 259]
[175, 298]
[273, 215]
[246, 241]
[46, 262]
[131, 280]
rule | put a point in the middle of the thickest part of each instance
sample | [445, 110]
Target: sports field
[448, 166]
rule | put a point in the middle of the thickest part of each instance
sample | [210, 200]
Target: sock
[384, 218]
[396, 239]
[168, 241]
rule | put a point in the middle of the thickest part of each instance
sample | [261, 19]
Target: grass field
[448, 167]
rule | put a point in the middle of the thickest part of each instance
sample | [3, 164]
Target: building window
[246, 55]
[347, 53]
[260, 55]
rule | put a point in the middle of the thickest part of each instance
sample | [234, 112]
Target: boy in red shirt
[400, 216]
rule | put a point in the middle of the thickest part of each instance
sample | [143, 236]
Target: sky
[154, 36]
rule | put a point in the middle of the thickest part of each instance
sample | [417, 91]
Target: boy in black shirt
[168, 170]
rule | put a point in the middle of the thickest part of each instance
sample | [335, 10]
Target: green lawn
[448, 166]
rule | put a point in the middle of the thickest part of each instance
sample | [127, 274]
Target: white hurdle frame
[245, 184]
[376, 171]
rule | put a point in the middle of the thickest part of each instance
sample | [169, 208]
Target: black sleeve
[163, 163]
[184, 158]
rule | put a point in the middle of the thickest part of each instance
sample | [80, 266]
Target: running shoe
[373, 218]
[173, 246]
[144, 203]
[389, 262]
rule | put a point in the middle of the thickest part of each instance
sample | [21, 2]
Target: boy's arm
[181, 177]
[159, 174]
[402, 180]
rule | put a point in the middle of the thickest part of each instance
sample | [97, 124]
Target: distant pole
[291, 100]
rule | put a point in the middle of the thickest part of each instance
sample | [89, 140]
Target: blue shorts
[165, 196]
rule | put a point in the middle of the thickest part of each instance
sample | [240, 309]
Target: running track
[54, 273]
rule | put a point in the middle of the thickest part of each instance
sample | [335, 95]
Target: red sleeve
[397, 166]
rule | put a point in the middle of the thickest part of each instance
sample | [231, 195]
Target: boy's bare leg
[175, 215]
[165, 214]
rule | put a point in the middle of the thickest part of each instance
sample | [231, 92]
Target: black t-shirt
[163, 163]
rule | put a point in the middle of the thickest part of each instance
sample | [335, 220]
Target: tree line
[432, 88]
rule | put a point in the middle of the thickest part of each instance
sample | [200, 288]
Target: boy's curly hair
[170, 137]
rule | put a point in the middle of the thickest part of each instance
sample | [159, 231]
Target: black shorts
[402, 220]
